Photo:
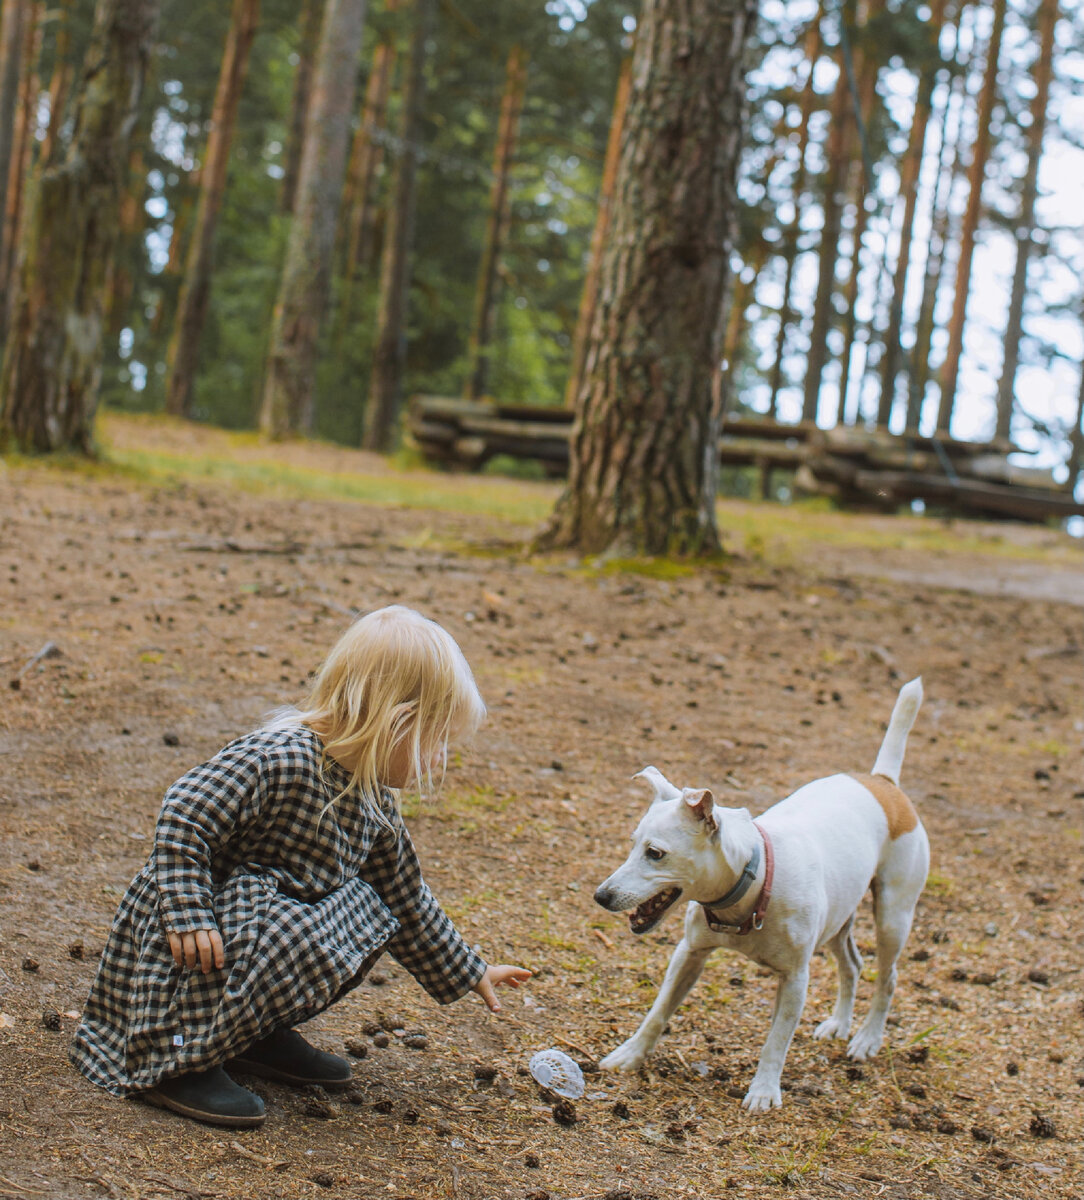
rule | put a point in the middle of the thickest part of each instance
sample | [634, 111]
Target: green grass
[490, 497]
[159, 450]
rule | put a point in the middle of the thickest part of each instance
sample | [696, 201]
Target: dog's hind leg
[895, 901]
[683, 971]
[849, 965]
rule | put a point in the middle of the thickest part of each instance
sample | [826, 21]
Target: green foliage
[574, 56]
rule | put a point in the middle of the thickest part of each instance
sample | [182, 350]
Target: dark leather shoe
[286, 1057]
[209, 1096]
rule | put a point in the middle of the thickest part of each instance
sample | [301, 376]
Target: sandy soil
[181, 614]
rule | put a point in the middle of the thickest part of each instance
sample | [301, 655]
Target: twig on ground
[573, 1046]
[49, 650]
[274, 1163]
[191, 1193]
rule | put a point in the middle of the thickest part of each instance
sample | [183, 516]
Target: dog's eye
[654, 853]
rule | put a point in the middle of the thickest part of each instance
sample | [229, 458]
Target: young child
[281, 871]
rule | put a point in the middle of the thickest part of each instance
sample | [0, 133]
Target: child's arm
[199, 813]
[427, 944]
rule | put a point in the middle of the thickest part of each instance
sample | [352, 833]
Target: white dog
[777, 889]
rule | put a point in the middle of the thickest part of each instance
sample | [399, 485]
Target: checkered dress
[305, 899]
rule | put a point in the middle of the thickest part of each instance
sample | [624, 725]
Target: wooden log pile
[859, 468]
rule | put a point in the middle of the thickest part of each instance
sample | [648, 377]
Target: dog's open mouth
[648, 914]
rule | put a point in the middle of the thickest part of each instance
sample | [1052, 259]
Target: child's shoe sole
[247, 1066]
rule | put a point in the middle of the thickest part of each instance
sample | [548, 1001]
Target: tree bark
[485, 300]
[909, 176]
[643, 452]
[59, 84]
[813, 43]
[1076, 440]
[867, 68]
[836, 153]
[19, 166]
[365, 158]
[949, 169]
[589, 295]
[52, 365]
[15, 19]
[288, 396]
[950, 369]
[389, 349]
[1025, 229]
[308, 41]
[192, 304]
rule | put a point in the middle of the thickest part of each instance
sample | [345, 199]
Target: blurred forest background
[909, 247]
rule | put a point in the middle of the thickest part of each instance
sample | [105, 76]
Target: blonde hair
[393, 675]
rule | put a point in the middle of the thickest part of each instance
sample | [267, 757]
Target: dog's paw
[865, 1044]
[761, 1097]
[832, 1028]
[626, 1057]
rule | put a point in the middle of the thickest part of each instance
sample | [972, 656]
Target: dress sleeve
[427, 944]
[199, 814]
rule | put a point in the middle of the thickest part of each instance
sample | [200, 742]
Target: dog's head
[676, 852]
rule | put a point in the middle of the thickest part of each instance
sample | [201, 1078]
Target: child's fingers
[217, 947]
[205, 951]
[176, 948]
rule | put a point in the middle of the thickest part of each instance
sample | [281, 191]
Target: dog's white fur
[832, 841]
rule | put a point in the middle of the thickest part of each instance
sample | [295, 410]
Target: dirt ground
[181, 613]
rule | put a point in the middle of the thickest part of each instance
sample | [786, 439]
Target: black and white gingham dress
[305, 901]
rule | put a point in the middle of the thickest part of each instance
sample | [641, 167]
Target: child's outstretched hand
[493, 978]
[202, 946]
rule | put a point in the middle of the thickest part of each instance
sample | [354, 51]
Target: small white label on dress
[178, 1039]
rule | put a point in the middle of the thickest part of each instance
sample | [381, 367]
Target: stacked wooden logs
[859, 468]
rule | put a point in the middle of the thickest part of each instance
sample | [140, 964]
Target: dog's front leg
[764, 1091]
[683, 971]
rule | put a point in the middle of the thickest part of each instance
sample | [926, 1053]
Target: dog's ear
[664, 789]
[701, 804]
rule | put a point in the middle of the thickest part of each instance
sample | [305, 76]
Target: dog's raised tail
[890, 756]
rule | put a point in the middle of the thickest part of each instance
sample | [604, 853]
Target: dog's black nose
[603, 895]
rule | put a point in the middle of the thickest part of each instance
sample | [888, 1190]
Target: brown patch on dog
[898, 809]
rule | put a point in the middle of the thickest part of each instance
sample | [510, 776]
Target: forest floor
[183, 608]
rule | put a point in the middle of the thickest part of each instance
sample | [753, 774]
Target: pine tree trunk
[909, 176]
[1076, 441]
[836, 153]
[59, 84]
[589, 295]
[1025, 228]
[52, 365]
[389, 349]
[866, 71]
[643, 452]
[949, 170]
[288, 395]
[365, 158]
[496, 219]
[169, 287]
[183, 353]
[308, 43]
[22, 146]
[128, 255]
[813, 44]
[15, 19]
[850, 305]
[950, 369]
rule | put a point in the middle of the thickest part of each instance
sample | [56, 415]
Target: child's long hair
[393, 674]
